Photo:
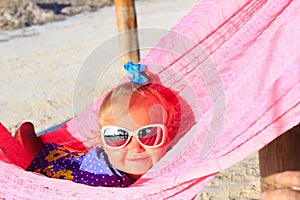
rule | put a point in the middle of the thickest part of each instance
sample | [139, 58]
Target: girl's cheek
[116, 157]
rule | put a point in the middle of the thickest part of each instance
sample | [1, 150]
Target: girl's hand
[290, 179]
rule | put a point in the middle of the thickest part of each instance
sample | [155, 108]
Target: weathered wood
[127, 28]
[281, 154]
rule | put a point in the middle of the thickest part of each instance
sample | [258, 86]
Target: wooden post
[126, 22]
[280, 155]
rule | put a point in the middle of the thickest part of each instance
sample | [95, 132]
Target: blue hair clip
[138, 72]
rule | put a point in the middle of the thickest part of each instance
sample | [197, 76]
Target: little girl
[137, 122]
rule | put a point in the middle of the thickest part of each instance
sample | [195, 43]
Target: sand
[40, 65]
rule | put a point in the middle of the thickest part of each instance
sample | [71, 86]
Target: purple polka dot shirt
[92, 168]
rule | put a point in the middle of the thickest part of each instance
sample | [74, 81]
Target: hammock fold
[237, 66]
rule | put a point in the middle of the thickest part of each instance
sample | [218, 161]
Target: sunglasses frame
[135, 134]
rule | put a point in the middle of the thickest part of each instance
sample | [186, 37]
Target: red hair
[146, 95]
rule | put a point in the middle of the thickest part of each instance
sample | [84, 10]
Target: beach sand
[40, 65]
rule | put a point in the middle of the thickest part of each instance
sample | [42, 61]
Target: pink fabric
[64, 137]
[254, 46]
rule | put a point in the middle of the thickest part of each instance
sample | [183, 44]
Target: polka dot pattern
[92, 169]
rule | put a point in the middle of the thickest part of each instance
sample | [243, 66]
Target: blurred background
[15, 14]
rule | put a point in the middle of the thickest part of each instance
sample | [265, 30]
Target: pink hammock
[253, 48]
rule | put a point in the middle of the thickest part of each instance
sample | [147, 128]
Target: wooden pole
[127, 28]
[280, 155]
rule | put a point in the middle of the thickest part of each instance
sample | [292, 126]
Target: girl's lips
[137, 159]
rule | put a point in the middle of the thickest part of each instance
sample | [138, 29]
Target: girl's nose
[134, 146]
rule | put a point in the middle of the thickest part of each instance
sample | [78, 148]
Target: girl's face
[134, 159]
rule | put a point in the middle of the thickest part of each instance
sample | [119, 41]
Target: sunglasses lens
[114, 137]
[151, 136]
